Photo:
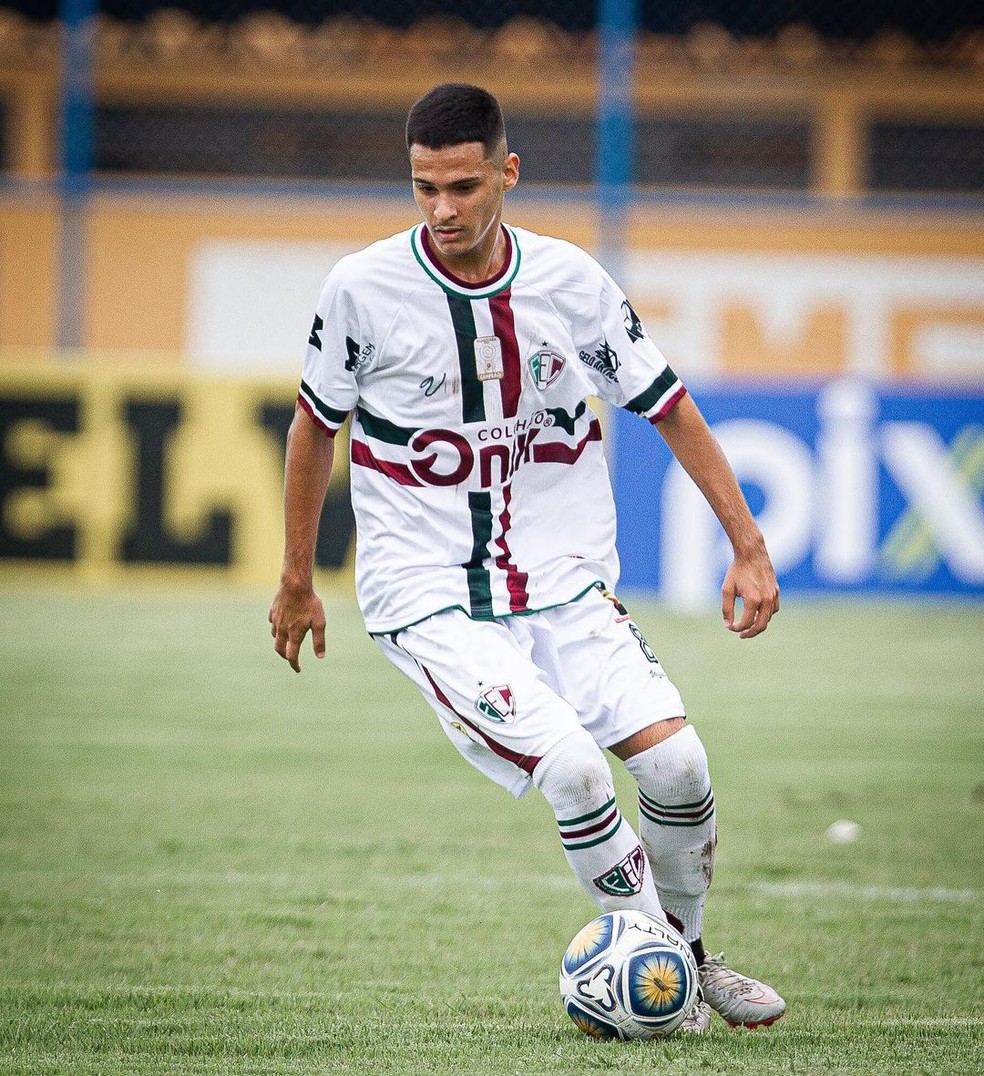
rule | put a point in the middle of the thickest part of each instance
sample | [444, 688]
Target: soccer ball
[627, 975]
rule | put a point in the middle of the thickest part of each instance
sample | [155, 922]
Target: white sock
[676, 823]
[600, 845]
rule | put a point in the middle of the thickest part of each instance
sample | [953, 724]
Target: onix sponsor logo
[447, 458]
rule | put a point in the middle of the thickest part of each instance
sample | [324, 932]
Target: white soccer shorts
[507, 690]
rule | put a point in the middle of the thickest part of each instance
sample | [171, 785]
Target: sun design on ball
[594, 1028]
[658, 982]
[588, 940]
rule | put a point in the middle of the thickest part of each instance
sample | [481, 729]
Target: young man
[466, 350]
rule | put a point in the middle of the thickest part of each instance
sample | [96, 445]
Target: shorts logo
[545, 366]
[625, 878]
[497, 703]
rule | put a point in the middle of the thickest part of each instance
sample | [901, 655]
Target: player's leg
[600, 845]
[676, 817]
[497, 707]
[638, 714]
[677, 825]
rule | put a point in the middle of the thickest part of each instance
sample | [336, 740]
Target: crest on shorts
[497, 703]
[545, 366]
[625, 878]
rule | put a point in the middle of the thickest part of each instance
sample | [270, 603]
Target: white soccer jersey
[478, 476]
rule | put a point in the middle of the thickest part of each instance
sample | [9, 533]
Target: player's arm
[296, 608]
[751, 576]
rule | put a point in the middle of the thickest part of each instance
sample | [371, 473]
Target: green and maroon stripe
[558, 452]
[677, 814]
[519, 598]
[472, 390]
[590, 829]
[479, 581]
[328, 418]
[381, 429]
[657, 401]
[362, 455]
[504, 327]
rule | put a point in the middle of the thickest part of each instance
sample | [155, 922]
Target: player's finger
[728, 604]
[318, 639]
[759, 622]
[292, 652]
[749, 611]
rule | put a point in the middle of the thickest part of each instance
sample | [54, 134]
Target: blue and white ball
[627, 975]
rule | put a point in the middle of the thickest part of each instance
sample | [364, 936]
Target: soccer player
[465, 351]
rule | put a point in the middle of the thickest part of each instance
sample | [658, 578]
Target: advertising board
[859, 487]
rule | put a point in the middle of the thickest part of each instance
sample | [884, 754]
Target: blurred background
[791, 192]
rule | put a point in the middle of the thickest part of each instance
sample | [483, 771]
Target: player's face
[459, 192]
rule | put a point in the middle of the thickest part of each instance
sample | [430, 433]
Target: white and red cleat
[738, 999]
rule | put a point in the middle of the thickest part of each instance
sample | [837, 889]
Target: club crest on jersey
[545, 366]
[626, 877]
[497, 703]
[488, 358]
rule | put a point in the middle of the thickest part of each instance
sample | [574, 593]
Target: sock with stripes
[676, 823]
[600, 845]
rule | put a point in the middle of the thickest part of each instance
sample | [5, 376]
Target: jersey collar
[461, 289]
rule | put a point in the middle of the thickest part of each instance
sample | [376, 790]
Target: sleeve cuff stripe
[667, 403]
[328, 415]
[329, 431]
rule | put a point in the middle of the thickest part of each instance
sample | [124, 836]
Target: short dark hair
[456, 112]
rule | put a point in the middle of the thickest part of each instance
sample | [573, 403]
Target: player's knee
[574, 773]
[676, 765]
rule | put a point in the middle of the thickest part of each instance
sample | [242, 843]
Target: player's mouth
[448, 235]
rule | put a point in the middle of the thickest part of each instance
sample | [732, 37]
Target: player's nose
[444, 210]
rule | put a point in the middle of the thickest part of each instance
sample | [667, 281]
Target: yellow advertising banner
[121, 475]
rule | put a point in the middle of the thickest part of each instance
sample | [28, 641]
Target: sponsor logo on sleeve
[633, 326]
[604, 359]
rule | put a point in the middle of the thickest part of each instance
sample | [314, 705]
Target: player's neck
[481, 264]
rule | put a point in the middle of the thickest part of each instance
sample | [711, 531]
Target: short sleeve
[622, 362]
[335, 353]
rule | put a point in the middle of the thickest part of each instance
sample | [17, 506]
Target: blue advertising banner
[858, 487]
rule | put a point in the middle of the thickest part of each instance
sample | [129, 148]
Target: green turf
[211, 865]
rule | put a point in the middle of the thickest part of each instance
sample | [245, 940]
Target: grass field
[211, 865]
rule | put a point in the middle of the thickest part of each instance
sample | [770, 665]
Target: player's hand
[751, 578]
[294, 612]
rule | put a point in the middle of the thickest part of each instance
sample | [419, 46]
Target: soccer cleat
[737, 998]
[698, 1021]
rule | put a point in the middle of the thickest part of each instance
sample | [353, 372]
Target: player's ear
[510, 171]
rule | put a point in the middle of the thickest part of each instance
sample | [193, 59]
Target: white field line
[559, 882]
[869, 893]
